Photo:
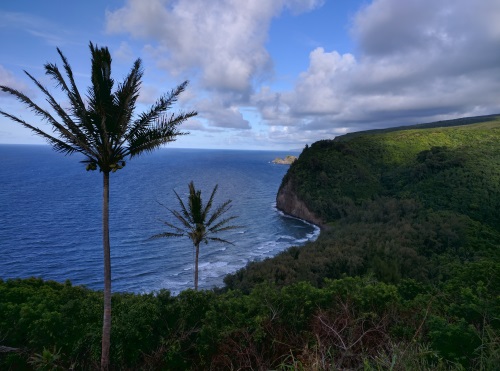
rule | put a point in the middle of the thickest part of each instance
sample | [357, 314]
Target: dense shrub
[347, 323]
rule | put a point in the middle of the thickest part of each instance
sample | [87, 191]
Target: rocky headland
[288, 160]
[288, 202]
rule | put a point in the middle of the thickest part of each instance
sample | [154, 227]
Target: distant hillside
[429, 125]
[395, 203]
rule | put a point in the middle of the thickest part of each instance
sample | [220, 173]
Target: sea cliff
[288, 202]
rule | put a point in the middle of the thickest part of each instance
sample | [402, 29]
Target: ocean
[50, 217]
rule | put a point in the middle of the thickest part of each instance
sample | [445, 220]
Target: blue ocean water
[50, 217]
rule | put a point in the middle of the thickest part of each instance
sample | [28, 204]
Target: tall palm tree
[103, 128]
[197, 224]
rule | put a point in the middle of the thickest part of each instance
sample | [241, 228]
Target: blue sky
[268, 74]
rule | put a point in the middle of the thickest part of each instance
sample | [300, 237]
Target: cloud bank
[414, 61]
[221, 43]
[417, 61]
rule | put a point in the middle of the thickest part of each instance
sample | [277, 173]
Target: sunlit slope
[447, 168]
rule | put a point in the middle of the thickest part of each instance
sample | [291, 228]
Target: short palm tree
[102, 127]
[197, 224]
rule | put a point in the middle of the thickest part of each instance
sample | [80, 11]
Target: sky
[267, 74]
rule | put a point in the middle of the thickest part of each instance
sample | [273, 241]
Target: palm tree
[102, 127]
[197, 225]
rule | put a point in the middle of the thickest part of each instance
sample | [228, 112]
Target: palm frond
[143, 133]
[78, 108]
[183, 220]
[220, 240]
[163, 104]
[208, 206]
[100, 97]
[56, 143]
[163, 131]
[125, 99]
[73, 93]
[184, 210]
[195, 204]
[174, 227]
[166, 234]
[221, 209]
[61, 112]
[70, 131]
[221, 226]
[70, 147]
[145, 119]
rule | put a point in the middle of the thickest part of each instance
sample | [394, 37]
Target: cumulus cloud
[417, 61]
[222, 39]
[327, 76]
[221, 114]
[221, 43]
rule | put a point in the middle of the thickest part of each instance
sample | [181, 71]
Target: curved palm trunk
[197, 254]
[106, 325]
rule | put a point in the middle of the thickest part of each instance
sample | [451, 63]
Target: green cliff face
[454, 168]
[407, 203]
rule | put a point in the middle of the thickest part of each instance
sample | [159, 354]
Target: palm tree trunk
[106, 325]
[197, 254]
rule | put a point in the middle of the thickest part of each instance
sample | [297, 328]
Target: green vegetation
[348, 323]
[405, 275]
[198, 224]
[413, 203]
[101, 127]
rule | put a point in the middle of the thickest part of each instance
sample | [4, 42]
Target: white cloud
[221, 114]
[319, 90]
[219, 42]
[222, 39]
[417, 61]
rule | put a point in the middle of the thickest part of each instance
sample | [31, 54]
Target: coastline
[317, 228]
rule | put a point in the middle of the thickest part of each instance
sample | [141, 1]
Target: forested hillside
[407, 203]
[418, 205]
[404, 276]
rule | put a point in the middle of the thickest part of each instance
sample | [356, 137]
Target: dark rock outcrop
[288, 202]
